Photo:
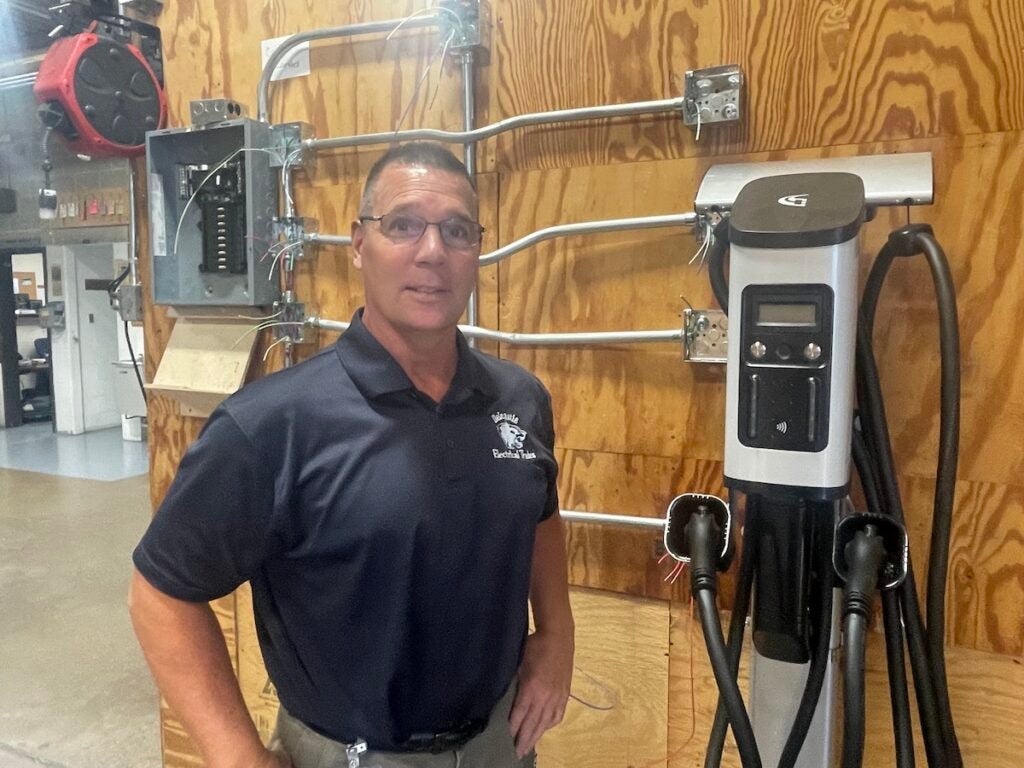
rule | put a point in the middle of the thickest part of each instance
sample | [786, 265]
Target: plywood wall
[636, 425]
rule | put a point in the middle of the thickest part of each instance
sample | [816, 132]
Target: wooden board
[817, 74]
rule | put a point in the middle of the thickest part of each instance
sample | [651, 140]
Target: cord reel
[100, 85]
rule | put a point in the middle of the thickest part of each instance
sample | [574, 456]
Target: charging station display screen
[789, 315]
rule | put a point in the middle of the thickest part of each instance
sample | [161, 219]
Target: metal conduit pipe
[603, 519]
[469, 160]
[349, 30]
[318, 237]
[560, 230]
[539, 339]
[508, 124]
[587, 228]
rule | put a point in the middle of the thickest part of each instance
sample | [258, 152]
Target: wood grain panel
[623, 559]
[619, 713]
[818, 74]
[358, 85]
[644, 400]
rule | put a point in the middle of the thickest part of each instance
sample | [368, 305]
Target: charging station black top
[799, 210]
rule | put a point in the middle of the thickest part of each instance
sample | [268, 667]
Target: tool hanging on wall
[100, 85]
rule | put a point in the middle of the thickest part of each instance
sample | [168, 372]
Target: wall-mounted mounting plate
[713, 95]
[706, 336]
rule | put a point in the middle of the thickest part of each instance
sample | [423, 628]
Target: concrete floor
[74, 689]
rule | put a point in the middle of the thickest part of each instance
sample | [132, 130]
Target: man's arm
[545, 675]
[186, 652]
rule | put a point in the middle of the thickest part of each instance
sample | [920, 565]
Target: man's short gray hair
[425, 154]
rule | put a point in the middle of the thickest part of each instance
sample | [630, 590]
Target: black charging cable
[737, 626]
[927, 652]
[704, 541]
[865, 556]
[716, 263]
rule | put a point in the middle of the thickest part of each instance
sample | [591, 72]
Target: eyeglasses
[405, 228]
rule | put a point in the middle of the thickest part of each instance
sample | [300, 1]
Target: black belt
[443, 741]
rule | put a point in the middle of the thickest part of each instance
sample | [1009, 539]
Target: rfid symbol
[782, 427]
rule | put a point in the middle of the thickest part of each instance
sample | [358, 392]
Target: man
[392, 501]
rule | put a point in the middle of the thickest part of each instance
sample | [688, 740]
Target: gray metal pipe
[588, 228]
[349, 30]
[560, 230]
[469, 160]
[487, 131]
[318, 237]
[540, 339]
[604, 519]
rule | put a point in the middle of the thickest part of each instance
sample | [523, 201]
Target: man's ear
[357, 244]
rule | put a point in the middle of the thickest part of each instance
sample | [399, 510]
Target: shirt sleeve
[213, 529]
[547, 418]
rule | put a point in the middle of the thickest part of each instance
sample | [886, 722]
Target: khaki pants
[492, 748]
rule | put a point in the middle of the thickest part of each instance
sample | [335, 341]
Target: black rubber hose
[910, 242]
[899, 696]
[823, 535]
[864, 557]
[737, 626]
[945, 487]
[854, 644]
[135, 363]
[704, 539]
[874, 408]
[716, 264]
[865, 465]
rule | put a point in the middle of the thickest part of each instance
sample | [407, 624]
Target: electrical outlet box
[706, 336]
[713, 95]
[212, 202]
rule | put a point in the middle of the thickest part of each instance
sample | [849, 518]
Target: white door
[85, 349]
[97, 334]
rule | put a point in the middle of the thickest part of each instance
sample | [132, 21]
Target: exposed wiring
[702, 251]
[221, 164]
[420, 12]
[611, 692]
[419, 83]
[262, 326]
[440, 69]
[267, 353]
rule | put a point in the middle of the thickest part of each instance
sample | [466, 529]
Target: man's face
[423, 285]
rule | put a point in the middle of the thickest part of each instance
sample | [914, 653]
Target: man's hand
[545, 677]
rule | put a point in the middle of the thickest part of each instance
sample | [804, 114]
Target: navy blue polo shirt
[388, 538]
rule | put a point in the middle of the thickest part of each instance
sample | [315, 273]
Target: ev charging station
[802, 399]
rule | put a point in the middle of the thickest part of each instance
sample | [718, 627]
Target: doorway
[25, 365]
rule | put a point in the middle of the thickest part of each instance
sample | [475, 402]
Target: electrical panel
[212, 202]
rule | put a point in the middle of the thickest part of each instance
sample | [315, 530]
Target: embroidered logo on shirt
[512, 435]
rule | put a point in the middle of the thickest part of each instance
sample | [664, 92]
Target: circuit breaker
[212, 200]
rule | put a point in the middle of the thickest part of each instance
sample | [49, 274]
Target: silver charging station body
[793, 295]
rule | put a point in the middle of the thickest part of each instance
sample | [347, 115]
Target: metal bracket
[713, 95]
[287, 139]
[212, 111]
[705, 336]
[473, 32]
[295, 230]
[292, 316]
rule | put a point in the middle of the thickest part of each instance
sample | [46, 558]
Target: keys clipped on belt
[353, 754]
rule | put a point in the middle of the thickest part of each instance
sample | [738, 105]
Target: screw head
[730, 112]
[734, 79]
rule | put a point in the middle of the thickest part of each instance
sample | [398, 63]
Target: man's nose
[431, 247]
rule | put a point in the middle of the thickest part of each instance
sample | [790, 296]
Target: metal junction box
[212, 201]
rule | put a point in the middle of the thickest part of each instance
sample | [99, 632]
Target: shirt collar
[376, 373]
